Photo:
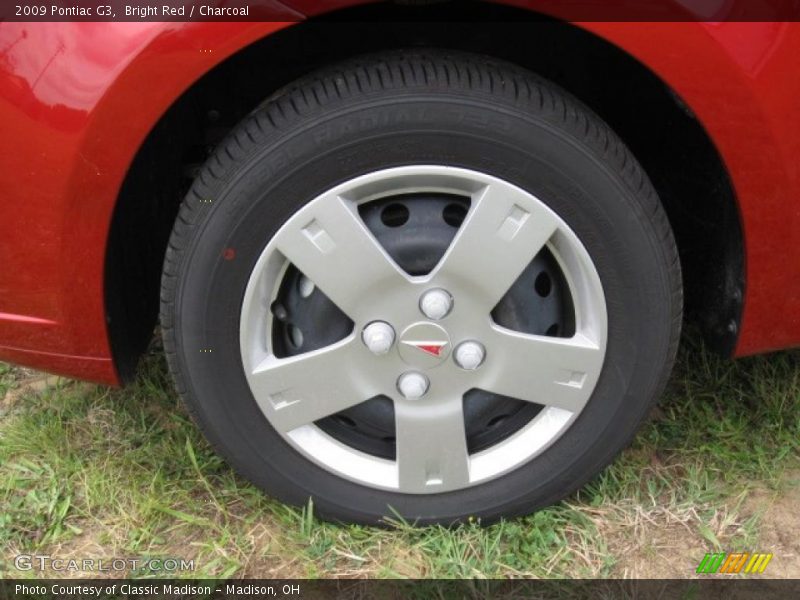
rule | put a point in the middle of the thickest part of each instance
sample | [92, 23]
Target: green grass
[6, 379]
[86, 471]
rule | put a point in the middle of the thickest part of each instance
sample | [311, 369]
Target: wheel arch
[656, 123]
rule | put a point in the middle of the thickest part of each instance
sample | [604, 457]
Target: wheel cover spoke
[330, 244]
[432, 445]
[546, 370]
[502, 233]
[301, 389]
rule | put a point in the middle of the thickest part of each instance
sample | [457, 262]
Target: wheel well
[657, 126]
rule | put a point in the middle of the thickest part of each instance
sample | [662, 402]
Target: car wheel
[423, 284]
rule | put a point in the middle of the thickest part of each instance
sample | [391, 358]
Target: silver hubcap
[420, 371]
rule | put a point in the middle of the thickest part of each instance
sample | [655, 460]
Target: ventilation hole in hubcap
[305, 286]
[394, 215]
[295, 336]
[454, 214]
[346, 421]
[491, 418]
[279, 311]
[496, 421]
[543, 284]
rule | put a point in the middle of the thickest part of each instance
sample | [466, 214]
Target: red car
[401, 265]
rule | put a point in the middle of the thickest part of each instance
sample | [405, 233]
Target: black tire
[406, 108]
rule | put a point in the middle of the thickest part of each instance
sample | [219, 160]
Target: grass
[91, 472]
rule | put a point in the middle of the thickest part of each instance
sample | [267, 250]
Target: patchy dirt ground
[667, 544]
[779, 527]
[657, 545]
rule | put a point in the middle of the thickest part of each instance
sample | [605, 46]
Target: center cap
[424, 345]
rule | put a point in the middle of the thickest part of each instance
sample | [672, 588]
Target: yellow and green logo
[736, 562]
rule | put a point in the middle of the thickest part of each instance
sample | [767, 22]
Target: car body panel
[740, 81]
[65, 86]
